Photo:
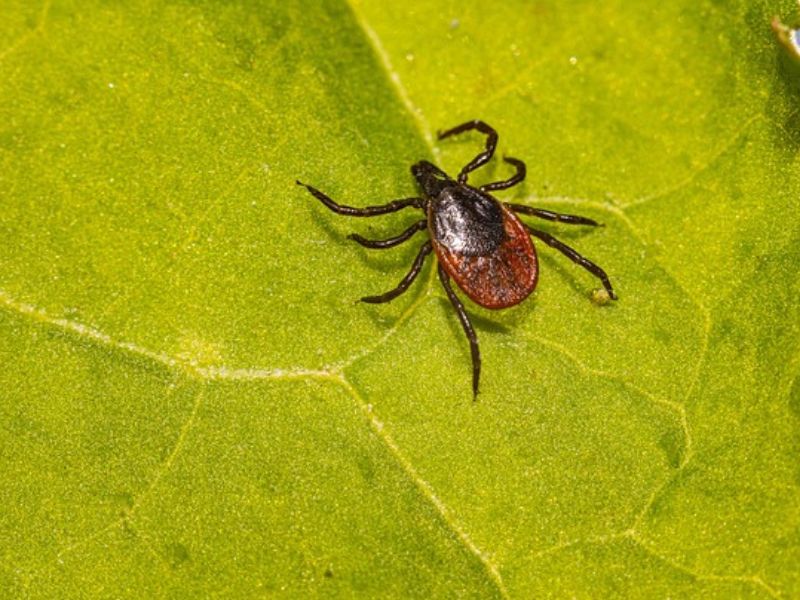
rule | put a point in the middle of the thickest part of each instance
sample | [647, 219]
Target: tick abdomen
[466, 221]
[483, 246]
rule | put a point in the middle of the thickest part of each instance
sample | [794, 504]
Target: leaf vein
[695, 173]
[188, 368]
[593, 539]
[86, 332]
[28, 35]
[161, 471]
[425, 488]
[418, 116]
[169, 461]
[677, 408]
[755, 580]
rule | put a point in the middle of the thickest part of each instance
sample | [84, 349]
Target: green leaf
[194, 403]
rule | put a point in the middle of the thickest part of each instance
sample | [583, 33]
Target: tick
[479, 241]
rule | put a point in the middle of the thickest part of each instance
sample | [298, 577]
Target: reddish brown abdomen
[501, 279]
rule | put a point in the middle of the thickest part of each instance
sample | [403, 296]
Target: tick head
[430, 178]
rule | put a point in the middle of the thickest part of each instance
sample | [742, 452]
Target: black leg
[464, 318]
[368, 211]
[514, 180]
[574, 257]
[483, 157]
[549, 215]
[407, 280]
[391, 242]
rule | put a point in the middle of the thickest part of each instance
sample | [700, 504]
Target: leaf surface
[194, 403]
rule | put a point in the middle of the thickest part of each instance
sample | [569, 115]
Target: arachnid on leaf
[479, 241]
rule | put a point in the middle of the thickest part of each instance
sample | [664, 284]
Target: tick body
[479, 241]
[483, 246]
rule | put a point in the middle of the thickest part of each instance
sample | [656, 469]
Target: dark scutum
[466, 221]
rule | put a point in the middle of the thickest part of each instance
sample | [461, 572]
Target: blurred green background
[193, 403]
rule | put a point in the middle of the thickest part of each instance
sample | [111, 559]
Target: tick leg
[367, 211]
[424, 250]
[483, 157]
[549, 215]
[514, 180]
[464, 318]
[394, 241]
[573, 255]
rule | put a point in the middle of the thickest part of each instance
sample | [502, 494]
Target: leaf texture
[193, 403]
